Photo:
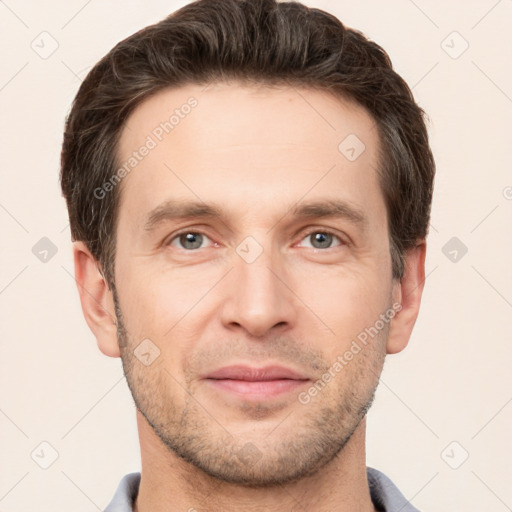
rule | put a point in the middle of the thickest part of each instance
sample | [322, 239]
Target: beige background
[451, 384]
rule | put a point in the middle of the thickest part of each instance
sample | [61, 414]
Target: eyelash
[309, 233]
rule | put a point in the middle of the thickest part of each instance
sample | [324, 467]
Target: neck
[168, 483]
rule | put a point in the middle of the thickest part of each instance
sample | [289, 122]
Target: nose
[260, 298]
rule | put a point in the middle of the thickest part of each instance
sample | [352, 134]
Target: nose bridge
[259, 299]
[255, 268]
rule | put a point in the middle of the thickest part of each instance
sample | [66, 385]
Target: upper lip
[253, 374]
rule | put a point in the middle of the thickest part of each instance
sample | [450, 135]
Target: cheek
[141, 302]
[345, 299]
[159, 304]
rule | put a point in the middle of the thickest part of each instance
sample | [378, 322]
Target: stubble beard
[306, 440]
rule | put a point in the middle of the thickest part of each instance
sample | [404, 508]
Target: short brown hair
[259, 41]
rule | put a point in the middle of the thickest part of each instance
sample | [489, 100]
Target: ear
[96, 299]
[407, 292]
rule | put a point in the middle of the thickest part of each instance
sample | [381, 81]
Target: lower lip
[257, 389]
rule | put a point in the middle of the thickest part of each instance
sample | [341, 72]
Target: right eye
[188, 240]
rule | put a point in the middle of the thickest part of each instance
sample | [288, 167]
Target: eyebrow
[328, 208]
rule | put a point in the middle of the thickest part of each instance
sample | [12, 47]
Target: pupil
[194, 239]
[323, 239]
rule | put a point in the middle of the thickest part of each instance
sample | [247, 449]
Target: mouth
[256, 383]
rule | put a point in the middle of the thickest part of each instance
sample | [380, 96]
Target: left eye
[322, 239]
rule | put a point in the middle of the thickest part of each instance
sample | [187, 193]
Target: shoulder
[125, 494]
[385, 495]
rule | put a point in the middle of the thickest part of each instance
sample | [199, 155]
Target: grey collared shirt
[385, 495]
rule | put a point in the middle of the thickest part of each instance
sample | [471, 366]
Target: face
[252, 255]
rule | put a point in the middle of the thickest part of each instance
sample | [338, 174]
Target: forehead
[251, 114]
[242, 145]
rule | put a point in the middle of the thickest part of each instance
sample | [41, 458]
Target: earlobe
[96, 299]
[408, 293]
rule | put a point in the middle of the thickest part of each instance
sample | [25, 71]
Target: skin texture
[256, 152]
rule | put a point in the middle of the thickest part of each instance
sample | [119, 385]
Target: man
[249, 186]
